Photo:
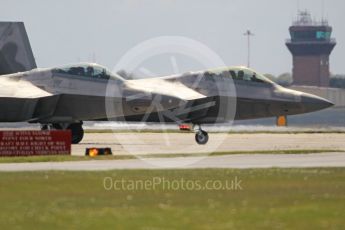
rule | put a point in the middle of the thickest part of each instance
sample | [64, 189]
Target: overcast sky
[68, 31]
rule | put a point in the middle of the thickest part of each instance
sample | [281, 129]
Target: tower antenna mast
[248, 34]
[323, 9]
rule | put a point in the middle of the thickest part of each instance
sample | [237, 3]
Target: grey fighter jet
[64, 97]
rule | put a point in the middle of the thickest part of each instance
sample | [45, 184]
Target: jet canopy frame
[87, 70]
[240, 74]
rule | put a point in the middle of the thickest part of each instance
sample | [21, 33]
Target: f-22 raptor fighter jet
[64, 97]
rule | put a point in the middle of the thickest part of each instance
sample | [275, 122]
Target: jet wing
[157, 86]
[182, 100]
[24, 101]
[14, 87]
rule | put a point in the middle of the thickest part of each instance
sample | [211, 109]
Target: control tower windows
[310, 35]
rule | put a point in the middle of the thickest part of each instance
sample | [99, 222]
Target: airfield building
[311, 45]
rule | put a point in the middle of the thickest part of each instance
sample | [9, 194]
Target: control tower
[311, 45]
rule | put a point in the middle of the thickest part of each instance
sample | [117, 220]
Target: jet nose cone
[313, 103]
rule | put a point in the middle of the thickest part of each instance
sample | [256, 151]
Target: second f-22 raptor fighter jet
[64, 97]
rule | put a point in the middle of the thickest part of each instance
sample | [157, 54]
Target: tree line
[285, 79]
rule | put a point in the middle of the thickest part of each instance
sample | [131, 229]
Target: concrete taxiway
[160, 143]
[140, 144]
[231, 161]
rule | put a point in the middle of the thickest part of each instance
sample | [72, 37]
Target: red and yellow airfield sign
[35, 143]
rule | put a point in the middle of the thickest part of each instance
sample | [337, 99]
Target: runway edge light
[94, 152]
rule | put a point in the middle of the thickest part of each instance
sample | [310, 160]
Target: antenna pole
[248, 34]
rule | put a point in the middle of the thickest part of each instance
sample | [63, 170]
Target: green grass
[269, 199]
[64, 158]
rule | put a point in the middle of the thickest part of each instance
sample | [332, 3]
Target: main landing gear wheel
[201, 137]
[76, 129]
[77, 132]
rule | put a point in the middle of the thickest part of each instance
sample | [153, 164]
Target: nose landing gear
[201, 136]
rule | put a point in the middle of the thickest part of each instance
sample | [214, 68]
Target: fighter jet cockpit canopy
[246, 74]
[241, 74]
[93, 71]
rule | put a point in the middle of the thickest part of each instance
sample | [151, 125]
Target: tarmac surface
[231, 161]
[160, 143]
[140, 144]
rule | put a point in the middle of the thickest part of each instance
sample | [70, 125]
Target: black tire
[57, 126]
[54, 126]
[201, 137]
[77, 132]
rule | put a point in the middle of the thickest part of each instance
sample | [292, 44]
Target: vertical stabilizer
[15, 50]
